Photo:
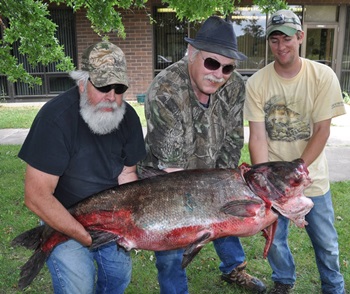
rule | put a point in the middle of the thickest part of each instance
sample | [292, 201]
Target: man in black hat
[194, 112]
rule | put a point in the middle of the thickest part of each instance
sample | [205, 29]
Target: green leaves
[200, 9]
[103, 14]
[268, 6]
[29, 28]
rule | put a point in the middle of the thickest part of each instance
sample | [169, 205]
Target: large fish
[184, 209]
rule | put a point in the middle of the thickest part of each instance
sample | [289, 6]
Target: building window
[345, 67]
[3, 79]
[53, 81]
[326, 13]
[169, 34]
[250, 25]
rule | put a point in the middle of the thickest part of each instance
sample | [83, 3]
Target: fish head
[281, 185]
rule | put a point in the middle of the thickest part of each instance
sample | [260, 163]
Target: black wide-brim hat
[217, 36]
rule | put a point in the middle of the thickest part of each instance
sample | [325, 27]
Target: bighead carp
[184, 209]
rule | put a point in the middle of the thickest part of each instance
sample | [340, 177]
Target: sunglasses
[281, 19]
[118, 88]
[212, 64]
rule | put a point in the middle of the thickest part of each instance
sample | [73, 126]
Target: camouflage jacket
[183, 133]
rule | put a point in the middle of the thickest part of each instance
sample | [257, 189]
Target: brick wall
[137, 47]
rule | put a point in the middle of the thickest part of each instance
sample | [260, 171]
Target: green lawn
[203, 273]
[21, 117]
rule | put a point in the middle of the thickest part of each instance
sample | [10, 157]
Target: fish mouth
[295, 210]
[281, 185]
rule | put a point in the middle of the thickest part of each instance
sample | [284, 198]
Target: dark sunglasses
[118, 88]
[281, 19]
[212, 64]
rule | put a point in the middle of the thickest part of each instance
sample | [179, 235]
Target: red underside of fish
[130, 236]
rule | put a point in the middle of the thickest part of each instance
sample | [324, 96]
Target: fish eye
[296, 179]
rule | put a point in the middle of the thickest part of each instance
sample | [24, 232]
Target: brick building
[151, 47]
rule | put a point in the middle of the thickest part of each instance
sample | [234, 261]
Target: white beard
[101, 122]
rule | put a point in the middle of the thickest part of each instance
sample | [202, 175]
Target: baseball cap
[217, 35]
[105, 63]
[285, 21]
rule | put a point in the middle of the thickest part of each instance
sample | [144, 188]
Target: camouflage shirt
[183, 133]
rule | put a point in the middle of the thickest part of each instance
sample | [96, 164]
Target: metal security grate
[169, 33]
[53, 81]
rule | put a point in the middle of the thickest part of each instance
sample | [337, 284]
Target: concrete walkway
[337, 149]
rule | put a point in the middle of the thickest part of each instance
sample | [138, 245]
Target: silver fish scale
[178, 206]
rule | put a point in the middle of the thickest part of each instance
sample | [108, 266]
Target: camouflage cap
[106, 64]
[285, 21]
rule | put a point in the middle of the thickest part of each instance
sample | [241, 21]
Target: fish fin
[241, 208]
[30, 239]
[31, 268]
[192, 250]
[100, 238]
[144, 172]
[269, 234]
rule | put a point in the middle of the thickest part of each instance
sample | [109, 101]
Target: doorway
[320, 44]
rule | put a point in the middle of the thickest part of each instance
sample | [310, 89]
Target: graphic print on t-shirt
[283, 123]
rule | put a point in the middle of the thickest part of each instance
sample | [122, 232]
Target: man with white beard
[84, 141]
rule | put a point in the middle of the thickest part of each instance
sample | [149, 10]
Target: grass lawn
[21, 117]
[203, 273]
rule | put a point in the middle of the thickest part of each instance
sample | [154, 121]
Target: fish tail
[30, 239]
[31, 268]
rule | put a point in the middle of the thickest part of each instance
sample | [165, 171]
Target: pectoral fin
[192, 250]
[242, 208]
[100, 238]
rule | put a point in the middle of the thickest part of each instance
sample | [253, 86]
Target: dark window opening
[53, 80]
[169, 33]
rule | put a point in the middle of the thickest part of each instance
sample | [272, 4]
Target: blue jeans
[324, 239]
[172, 278]
[73, 269]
